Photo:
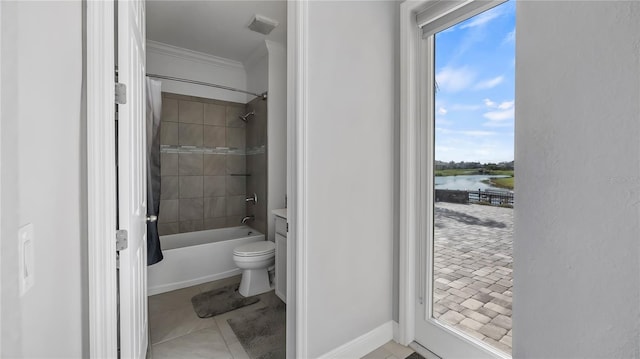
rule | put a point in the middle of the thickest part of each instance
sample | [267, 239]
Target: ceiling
[214, 27]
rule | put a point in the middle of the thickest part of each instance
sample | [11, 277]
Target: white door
[132, 207]
[436, 332]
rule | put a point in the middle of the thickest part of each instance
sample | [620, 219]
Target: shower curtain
[154, 109]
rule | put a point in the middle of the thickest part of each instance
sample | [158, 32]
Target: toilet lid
[255, 249]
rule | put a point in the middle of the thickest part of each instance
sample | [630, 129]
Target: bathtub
[197, 257]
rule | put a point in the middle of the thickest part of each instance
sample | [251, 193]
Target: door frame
[1, 161]
[410, 37]
[297, 118]
[101, 179]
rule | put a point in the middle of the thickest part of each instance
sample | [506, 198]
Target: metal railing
[489, 197]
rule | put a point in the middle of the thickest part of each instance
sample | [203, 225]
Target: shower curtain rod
[263, 95]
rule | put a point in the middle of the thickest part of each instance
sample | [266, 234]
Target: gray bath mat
[415, 355]
[220, 300]
[262, 332]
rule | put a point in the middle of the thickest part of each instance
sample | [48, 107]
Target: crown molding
[191, 55]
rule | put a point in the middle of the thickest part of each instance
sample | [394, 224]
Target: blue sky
[475, 69]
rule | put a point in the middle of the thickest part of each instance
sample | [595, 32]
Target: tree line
[440, 165]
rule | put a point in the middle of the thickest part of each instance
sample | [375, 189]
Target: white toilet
[254, 259]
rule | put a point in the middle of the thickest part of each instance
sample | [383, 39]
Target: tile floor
[392, 350]
[177, 332]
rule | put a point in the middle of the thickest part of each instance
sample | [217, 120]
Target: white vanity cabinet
[281, 255]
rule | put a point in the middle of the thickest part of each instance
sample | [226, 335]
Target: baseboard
[363, 344]
[188, 283]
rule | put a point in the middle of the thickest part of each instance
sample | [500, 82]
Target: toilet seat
[255, 249]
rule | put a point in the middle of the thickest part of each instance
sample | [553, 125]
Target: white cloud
[487, 149]
[510, 37]
[455, 79]
[488, 84]
[489, 103]
[483, 18]
[506, 105]
[442, 111]
[460, 107]
[499, 115]
[478, 133]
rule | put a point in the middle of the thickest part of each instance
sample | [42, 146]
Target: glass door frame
[417, 101]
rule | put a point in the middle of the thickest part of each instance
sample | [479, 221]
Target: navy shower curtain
[154, 108]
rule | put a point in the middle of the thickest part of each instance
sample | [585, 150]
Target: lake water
[465, 182]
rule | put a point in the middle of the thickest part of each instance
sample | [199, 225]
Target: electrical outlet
[26, 265]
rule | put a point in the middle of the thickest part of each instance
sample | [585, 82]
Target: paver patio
[473, 260]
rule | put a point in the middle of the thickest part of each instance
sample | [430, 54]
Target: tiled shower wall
[257, 162]
[203, 184]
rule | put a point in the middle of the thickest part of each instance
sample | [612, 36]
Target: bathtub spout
[247, 218]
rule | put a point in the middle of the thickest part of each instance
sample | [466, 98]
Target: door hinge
[122, 238]
[287, 227]
[121, 93]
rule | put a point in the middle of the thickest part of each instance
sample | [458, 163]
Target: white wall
[267, 71]
[173, 61]
[257, 68]
[576, 259]
[11, 305]
[42, 178]
[276, 132]
[351, 114]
